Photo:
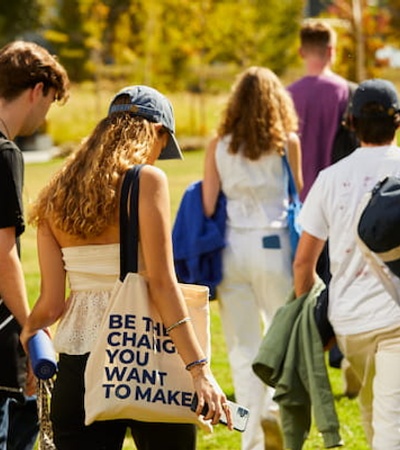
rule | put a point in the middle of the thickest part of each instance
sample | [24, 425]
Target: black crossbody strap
[129, 222]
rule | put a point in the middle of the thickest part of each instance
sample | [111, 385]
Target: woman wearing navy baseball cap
[77, 215]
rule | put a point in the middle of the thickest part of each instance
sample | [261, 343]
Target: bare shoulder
[153, 196]
[152, 179]
[212, 145]
[293, 139]
[152, 174]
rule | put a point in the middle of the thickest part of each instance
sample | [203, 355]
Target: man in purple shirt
[320, 97]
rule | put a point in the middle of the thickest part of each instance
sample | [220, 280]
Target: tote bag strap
[291, 185]
[129, 222]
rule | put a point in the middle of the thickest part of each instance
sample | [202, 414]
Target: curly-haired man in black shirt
[30, 81]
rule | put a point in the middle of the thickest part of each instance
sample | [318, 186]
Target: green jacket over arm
[291, 359]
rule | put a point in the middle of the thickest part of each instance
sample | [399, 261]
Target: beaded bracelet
[199, 362]
[176, 324]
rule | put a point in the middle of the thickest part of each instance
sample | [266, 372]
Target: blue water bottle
[42, 355]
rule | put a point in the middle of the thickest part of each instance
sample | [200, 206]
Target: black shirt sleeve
[11, 185]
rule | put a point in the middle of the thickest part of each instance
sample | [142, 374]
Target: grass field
[195, 115]
[180, 174]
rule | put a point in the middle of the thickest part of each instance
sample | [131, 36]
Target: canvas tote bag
[134, 370]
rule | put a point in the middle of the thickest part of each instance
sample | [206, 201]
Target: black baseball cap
[376, 91]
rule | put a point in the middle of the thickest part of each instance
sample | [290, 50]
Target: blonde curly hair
[82, 197]
[259, 114]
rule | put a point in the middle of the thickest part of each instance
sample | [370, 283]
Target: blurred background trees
[196, 47]
[191, 49]
[192, 45]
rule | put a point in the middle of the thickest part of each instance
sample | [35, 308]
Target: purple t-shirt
[320, 102]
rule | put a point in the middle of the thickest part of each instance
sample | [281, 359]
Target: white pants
[375, 358]
[257, 281]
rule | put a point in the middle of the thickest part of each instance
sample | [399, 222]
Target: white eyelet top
[92, 271]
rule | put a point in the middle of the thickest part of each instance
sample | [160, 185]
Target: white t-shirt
[358, 302]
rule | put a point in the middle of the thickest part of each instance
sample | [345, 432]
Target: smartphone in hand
[240, 414]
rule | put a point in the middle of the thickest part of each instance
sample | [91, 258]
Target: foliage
[18, 17]
[178, 44]
[69, 22]
[375, 26]
[193, 45]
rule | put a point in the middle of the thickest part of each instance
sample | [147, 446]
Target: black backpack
[345, 140]
[379, 223]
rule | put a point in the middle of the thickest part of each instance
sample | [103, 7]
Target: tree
[69, 37]
[18, 17]
[356, 55]
[281, 20]
[176, 44]
[393, 36]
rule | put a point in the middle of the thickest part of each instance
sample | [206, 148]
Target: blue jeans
[19, 424]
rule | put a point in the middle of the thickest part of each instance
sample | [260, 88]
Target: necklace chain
[8, 136]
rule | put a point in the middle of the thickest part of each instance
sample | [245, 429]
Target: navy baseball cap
[155, 107]
[379, 92]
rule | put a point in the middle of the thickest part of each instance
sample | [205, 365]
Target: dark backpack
[379, 223]
[345, 140]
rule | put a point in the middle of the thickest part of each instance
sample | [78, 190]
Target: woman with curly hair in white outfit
[244, 160]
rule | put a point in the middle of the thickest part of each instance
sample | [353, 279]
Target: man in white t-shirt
[365, 318]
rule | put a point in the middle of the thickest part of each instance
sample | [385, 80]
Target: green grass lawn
[181, 174]
[195, 115]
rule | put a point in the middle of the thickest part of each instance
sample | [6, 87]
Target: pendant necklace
[8, 135]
